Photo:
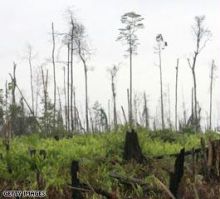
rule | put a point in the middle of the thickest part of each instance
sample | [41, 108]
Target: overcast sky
[26, 22]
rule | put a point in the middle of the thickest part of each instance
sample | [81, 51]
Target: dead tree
[68, 87]
[124, 115]
[169, 108]
[30, 56]
[83, 53]
[132, 149]
[146, 112]
[201, 35]
[176, 177]
[113, 72]
[161, 44]
[65, 97]
[76, 194]
[13, 101]
[54, 76]
[45, 98]
[176, 94]
[72, 29]
[213, 67]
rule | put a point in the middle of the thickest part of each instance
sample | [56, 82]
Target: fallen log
[186, 153]
[127, 180]
[86, 188]
[78, 187]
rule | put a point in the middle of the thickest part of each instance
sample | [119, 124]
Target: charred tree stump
[132, 149]
[213, 160]
[75, 181]
[176, 177]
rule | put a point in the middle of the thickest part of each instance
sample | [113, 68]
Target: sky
[28, 22]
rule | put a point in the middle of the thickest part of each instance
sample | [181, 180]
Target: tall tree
[30, 56]
[68, 87]
[213, 67]
[13, 107]
[54, 76]
[45, 98]
[146, 112]
[72, 29]
[176, 93]
[113, 72]
[161, 44]
[201, 35]
[132, 22]
[83, 52]
[65, 97]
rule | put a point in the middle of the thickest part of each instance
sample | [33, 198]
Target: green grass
[99, 154]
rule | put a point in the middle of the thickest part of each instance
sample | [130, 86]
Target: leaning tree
[128, 34]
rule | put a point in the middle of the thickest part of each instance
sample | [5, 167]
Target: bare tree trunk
[124, 115]
[54, 76]
[176, 94]
[146, 114]
[169, 107]
[6, 100]
[161, 91]
[109, 115]
[75, 116]
[130, 100]
[71, 75]
[13, 113]
[192, 107]
[211, 91]
[135, 108]
[184, 111]
[86, 92]
[31, 77]
[45, 82]
[195, 98]
[114, 103]
[14, 85]
[65, 98]
[37, 94]
[68, 88]
[60, 102]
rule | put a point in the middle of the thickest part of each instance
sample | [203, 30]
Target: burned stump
[177, 175]
[132, 149]
[213, 160]
[76, 194]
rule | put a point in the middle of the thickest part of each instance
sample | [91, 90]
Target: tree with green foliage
[132, 23]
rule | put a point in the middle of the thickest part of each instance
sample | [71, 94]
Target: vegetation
[43, 143]
[99, 155]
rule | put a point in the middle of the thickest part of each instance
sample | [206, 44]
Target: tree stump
[132, 149]
[213, 160]
[176, 177]
[76, 194]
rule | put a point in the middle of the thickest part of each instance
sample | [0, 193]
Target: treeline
[59, 113]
